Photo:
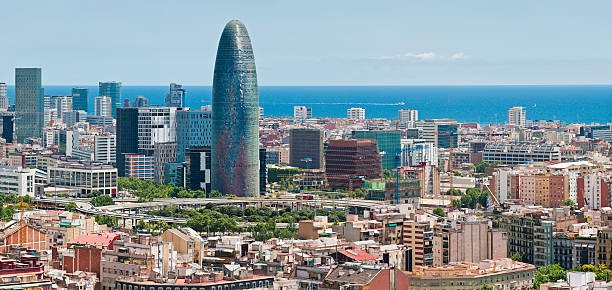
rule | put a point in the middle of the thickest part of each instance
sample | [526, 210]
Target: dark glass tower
[235, 124]
[112, 90]
[80, 99]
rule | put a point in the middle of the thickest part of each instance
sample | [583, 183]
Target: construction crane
[22, 230]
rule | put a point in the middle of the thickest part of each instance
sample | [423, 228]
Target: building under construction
[349, 162]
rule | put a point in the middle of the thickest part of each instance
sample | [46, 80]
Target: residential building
[105, 149]
[350, 161]
[416, 151]
[306, 148]
[428, 176]
[604, 247]
[235, 122]
[408, 116]
[29, 103]
[355, 114]
[103, 106]
[388, 143]
[113, 91]
[302, 112]
[529, 234]
[419, 237]
[176, 97]
[193, 129]
[4, 100]
[517, 116]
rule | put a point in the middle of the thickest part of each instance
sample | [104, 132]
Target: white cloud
[422, 56]
[426, 56]
[459, 55]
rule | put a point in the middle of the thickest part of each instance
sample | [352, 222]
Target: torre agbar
[235, 124]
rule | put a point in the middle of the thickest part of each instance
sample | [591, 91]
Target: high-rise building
[140, 166]
[103, 106]
[105, 149]
[8, 126]
[348, 161]
[164, 152]
[127, 136]
[155, 125]
[302, 112]
[193, 128]
[438, 131]
[176, 96]
[112, 90]
[235, 100]
[355, 114]
[4, 100]
[198, 168]
[29, 103]
[517, 116]
[80, 99]
[72, 117]
[140, 101]
[61, 104]
[408, 116]
[306, 149]
[389, 144]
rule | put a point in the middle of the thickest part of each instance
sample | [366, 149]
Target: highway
[130, 210]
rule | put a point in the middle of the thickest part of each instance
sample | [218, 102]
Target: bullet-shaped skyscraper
[235, 124]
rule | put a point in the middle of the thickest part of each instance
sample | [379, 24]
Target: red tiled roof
[97, 239]
[360, 255]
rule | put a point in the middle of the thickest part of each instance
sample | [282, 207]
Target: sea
[479, 104]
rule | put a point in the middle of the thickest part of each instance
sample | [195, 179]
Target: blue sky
[155, 42]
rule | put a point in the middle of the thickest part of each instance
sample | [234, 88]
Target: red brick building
[347, 161]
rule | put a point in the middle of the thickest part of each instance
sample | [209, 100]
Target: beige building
[471, 242]
[187, 243]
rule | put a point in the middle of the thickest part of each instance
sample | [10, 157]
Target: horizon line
[346, 85]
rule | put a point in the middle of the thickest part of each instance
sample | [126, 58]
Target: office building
[439, 132]
[17, 180]
[517, 116]
[164, 152]
[61, 105]
[105, 149]
[155, 125]
[235, 101]
[70, 118]
[103, 106]
[8, 126]
[127, 136]
[416, 151]
[113, 91]
[80, 99]
[389, 145]
[199, 168]
[520, 153]
[140, 101]
[175, 173]
[355, 114]
[176, 96]
[29, 103]
[85, 177]
[193, 129]
[139, 166]
[408, 116]
[306, 148]
[100, 121]
[302, 112]
[4, 100]
[348, 162]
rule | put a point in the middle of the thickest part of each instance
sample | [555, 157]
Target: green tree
[387, 174]
[215, 193]
[550, 273]
[570, 203]
[485, 287]
[456, 192]
[456, 203]
[439, 212]
[71, 207]
[102, 200]
[517, 257]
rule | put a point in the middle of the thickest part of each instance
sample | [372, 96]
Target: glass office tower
[112, 90]
[29, 103]
[79, 99]
[235, 125]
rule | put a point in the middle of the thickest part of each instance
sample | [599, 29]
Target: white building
[355, 114]
[415, 151]
[104, 149]
[70, 118]
[61, 104]
[517, 116]
[17, 180]
[407, 116]
[302, 112]
[103, 106]
[4, 100]
[156, 125]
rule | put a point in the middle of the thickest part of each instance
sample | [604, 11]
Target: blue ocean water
[484, 104]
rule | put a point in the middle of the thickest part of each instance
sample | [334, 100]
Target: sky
[155, 42]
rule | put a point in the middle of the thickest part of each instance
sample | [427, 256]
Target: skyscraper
[306, 148]
[140, 101]
[4, 100]
[103, 106]
[80, 99]
[29, 103]
[192, 129]
[517, 116]
[176, 97]
[235, 147]
[112, 90]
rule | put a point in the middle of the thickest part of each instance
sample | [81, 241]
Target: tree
[387, 174]
[458, 174]
[456, 203]
[456, 192]
[439, 212]
[215, 193]
[570, 203]
[485, 287]
[550, 273]
[71, 207]
[102, 200]
[517, 257]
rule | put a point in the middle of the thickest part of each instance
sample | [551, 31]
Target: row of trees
[148, 190]
[472, 198]
[554, 273]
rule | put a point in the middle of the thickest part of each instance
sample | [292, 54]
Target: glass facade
[389, 145]
[80, 99]
[192, 129]
[29, 103]
[235, 101]
[112, 90]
